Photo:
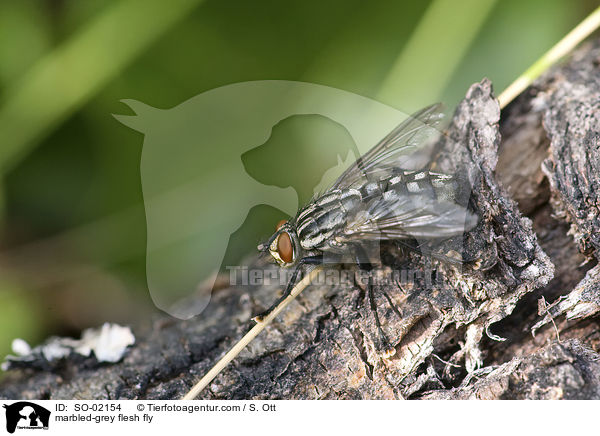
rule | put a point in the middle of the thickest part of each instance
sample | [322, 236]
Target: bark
[529, 263]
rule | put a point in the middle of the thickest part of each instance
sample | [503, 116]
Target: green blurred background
[72, 218]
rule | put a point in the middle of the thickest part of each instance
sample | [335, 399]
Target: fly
[373, 200]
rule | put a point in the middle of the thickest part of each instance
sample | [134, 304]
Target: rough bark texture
[472, 339]
[558, 371]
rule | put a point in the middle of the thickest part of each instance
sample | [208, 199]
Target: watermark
[220, 169]
[404, 279]
[25, 415]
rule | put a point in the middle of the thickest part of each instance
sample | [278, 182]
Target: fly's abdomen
[325, 222]
[410, 183]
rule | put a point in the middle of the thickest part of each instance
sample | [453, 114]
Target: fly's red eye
[285, 248]
[280, 223]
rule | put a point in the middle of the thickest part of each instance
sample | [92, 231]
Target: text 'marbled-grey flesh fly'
[374, 200]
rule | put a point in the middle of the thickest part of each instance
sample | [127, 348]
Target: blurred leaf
[24, 37]
[435, 49]
[510, 42]
[69, 75]
[359, 54]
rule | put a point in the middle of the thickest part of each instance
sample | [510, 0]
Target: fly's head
[284, 245]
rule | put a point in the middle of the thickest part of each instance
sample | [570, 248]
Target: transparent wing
[408, 217]
[385, 154]
[403, 214]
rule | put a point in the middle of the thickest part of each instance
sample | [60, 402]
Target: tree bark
[529, 264]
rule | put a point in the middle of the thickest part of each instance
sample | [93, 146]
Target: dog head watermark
[209, 163]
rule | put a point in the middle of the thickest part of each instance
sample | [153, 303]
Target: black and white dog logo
[26, 415]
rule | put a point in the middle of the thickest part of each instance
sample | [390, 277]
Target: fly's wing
[383, 157]
[402, 214]
[407, 217]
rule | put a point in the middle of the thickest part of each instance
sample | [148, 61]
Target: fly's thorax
[320, 220]
[285, 247]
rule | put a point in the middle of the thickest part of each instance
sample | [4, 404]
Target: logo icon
[26, 415]
[220, 162]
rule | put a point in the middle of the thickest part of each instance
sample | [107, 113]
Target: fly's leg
[388, 350]
[363, 262]
[392, 305]
[310, 260]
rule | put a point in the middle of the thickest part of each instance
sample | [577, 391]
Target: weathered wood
[324, 344]
[566, 371]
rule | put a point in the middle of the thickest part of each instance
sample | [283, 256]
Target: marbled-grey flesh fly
[373, 200]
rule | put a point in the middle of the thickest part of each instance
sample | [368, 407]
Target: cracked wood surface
[540, 158]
